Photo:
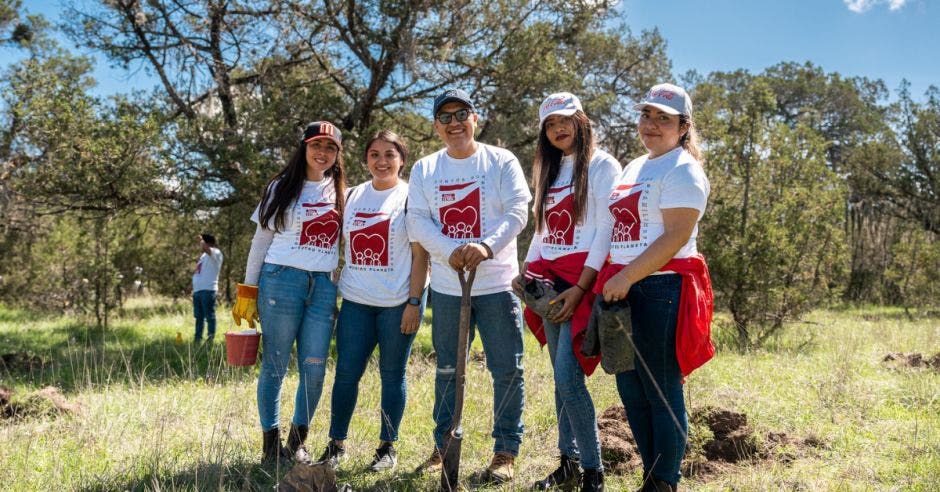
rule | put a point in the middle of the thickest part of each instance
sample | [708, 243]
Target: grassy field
[822, 407]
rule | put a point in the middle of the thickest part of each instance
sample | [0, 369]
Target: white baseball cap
[563, 103]
[669, 98]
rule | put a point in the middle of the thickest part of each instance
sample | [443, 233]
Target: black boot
[271, 445]
[566, 475]
[295, 443]
[653, 484]
[592, 480]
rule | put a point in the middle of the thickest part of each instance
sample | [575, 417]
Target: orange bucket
[241, 347]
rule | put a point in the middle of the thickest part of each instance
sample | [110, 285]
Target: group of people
[605, 236]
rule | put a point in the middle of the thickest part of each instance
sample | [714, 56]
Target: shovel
[452, 440]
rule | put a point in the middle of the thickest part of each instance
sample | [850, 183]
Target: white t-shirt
[560, 234]
[310, 237]
[480, 199]
[206, 276]
[646, 186]
[377, 249]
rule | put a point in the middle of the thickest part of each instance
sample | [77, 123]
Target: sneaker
[500, 469]
[565, 476]
[385, 457]
[592, 481]
[333, 455]
[433, 464]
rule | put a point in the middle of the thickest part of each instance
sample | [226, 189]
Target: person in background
[205, 286]
[572, 180]
[288, 284]
[466, 204]
[655, 267]
[383, 288]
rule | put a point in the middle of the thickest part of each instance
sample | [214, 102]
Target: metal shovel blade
[450, 455]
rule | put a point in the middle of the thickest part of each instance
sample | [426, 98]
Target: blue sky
[881, 39]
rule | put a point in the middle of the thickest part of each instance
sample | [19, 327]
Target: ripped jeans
[498, 318]
[293, 305]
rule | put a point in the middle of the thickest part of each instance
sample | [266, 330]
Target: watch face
[414, 301]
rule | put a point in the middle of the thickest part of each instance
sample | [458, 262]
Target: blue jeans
[577, 424]
[654, 303]
[204, 312]
[293, 305]
[498, 318]
[360, 328]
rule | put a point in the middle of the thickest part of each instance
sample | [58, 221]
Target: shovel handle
[463, 342]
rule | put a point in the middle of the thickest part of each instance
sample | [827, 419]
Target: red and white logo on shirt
[626, 213]
[369, 245]
[559, 220]
[460, 218]
[323, 230]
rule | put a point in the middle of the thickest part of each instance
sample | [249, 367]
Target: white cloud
[859, 6]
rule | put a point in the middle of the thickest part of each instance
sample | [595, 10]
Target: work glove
[591, 344]
[246, 305]
[537, 294]
[615, 330]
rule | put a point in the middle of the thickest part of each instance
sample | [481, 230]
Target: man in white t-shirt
[205, 285]
[466, 205]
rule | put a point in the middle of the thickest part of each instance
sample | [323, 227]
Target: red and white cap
[670, 98]
[563, 103]
[323, 129]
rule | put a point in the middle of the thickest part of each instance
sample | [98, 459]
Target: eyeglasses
[461, 115]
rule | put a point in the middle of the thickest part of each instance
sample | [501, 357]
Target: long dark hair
[285, 187]
[548, 164]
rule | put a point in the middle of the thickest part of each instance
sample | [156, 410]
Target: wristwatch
[414, 301]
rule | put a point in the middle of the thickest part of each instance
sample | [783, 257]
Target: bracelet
[582, 288]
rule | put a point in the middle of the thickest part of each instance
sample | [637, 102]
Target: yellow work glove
[246, 305]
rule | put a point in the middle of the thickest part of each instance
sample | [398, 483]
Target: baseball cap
[323, 129]
[669, 98]
[563, 103]
[452, 95]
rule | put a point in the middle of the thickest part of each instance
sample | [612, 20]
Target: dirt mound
[733, 442]
[721, 441]
[20, 362]
[732, 439]
[913, 359]
[618, 449]
[318, 477]
[5, 395]
[47, 402]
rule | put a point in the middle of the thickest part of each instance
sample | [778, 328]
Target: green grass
[161, 416]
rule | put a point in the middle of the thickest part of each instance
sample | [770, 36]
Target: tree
[772, 233]
[239, 79]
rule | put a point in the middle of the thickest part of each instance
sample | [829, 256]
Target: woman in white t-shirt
[288, 281]
[653, 217]
[383, 289]
[572, 181]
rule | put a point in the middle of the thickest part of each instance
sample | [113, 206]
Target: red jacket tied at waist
[696, 306]
[568, 268]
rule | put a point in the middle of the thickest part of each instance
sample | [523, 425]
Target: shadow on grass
[77, 356]
[242, 475]
[249, 475]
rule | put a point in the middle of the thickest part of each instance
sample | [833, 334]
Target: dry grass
[161, 416]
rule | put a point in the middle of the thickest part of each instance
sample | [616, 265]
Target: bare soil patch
[899, 360]
[47, 402]
[725, 441]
